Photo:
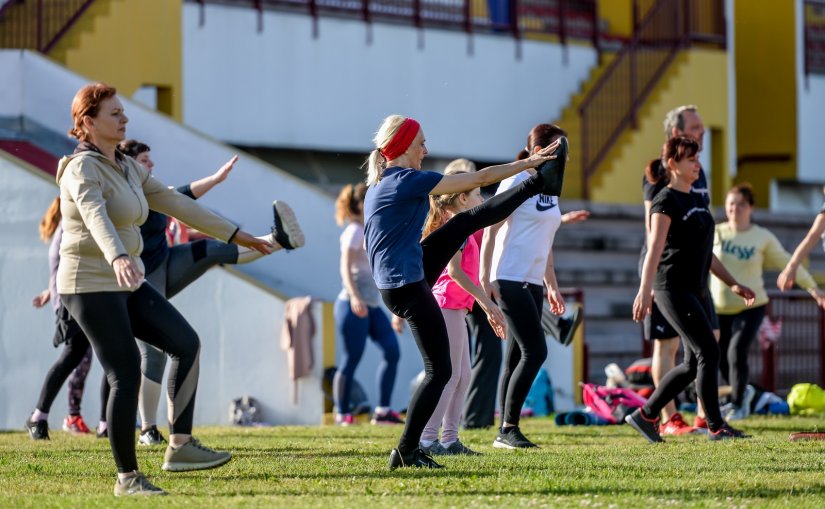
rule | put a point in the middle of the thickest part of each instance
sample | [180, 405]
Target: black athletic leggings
[415, 302]
[736, 333]
[526, 344]
[70, 358]
[690, 315]
[111, 321]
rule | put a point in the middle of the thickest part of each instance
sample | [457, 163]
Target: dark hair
[676, 148]
[746, 191]
[86, 103]
[349, 199]
[133, 148]
[541, 136]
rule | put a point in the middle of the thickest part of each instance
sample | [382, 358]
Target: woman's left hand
[744, 292]
[247, 240]
[224, 170]
[542, 155]
[557, 305]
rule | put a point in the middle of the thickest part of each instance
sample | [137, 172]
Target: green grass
[346, 467]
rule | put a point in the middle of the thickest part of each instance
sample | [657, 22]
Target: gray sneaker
[137, 485]
[151, 437]
[193, 456]
[457, 448]
[435, 449]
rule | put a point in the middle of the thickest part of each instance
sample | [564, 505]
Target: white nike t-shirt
[524, 241]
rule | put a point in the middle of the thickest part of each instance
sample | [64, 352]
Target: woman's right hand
[642, 304]
[127, 273]
[250, 241]
[358, 307]
[496, 318]
[490, 289]
[42, 298]
[542, 155]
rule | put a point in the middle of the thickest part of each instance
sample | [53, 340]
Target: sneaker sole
[186, 467]
[149, 444]
[638, 428]
[578, 316]
[292, 229]
[502, 445]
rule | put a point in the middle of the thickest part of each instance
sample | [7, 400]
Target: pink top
[447, 292]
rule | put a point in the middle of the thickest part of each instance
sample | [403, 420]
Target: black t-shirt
[153, 231]
[688, 248]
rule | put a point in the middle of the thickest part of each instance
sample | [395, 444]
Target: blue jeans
[354, 332]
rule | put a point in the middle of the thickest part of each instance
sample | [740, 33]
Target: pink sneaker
[344, 419]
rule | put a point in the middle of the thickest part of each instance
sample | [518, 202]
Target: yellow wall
[129, 44]
[697, 76]
[765, 92]
[619, 16]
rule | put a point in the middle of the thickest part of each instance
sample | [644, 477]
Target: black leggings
[111, 321]
[690, 315]
[736, 334]
[70, 358]
[526, 344]
[415, 302]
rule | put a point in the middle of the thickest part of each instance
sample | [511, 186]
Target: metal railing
[799, 353]
[613, 104]
[814, 34]
[38, 24]
[564, 18]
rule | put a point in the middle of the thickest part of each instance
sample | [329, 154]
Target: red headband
[402, 140]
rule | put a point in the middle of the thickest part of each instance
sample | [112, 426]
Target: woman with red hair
[405, 267]
[105, 196]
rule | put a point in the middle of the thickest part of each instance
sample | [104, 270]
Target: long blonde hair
[347, 204]
[440, 206]
[375, 162]
[50, 220]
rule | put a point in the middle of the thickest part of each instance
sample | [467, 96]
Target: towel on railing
[296, 338]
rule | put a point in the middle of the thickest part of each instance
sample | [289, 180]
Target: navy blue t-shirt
[153, 231]
[394, 213]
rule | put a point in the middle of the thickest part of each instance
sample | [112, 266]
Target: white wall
[811, 111]
[239, 325]
[283, 88]
[33, 86]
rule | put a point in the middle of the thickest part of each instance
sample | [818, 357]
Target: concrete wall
[35, 87]
[283, 88]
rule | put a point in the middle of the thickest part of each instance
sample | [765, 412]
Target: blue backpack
[540, 397]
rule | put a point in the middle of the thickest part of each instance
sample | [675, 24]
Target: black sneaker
[646, 427]
[286, 231]
[37, 430]
[458, 449]
[386, 418]
[417, 459]
[151, 437]
[568, 326]
[512, 439]
[102, 434]
[552, 171]
[726, 432]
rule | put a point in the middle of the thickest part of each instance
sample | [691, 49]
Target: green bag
[806, 399]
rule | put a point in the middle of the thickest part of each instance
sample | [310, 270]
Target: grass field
[346, 467]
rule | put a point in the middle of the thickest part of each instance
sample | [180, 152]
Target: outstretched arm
[787, 277]
[202, 186]
[461, 182]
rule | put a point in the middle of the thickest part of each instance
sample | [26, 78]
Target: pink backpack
[611, 404]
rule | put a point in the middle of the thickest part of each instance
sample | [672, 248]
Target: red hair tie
[402, 139]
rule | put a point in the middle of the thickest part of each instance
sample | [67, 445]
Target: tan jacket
[103, 206]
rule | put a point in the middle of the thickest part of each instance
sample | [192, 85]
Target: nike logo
[545, 203]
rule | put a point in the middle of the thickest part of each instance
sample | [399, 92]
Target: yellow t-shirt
[746, 254]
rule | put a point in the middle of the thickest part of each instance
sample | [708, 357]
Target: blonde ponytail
[375, 162]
